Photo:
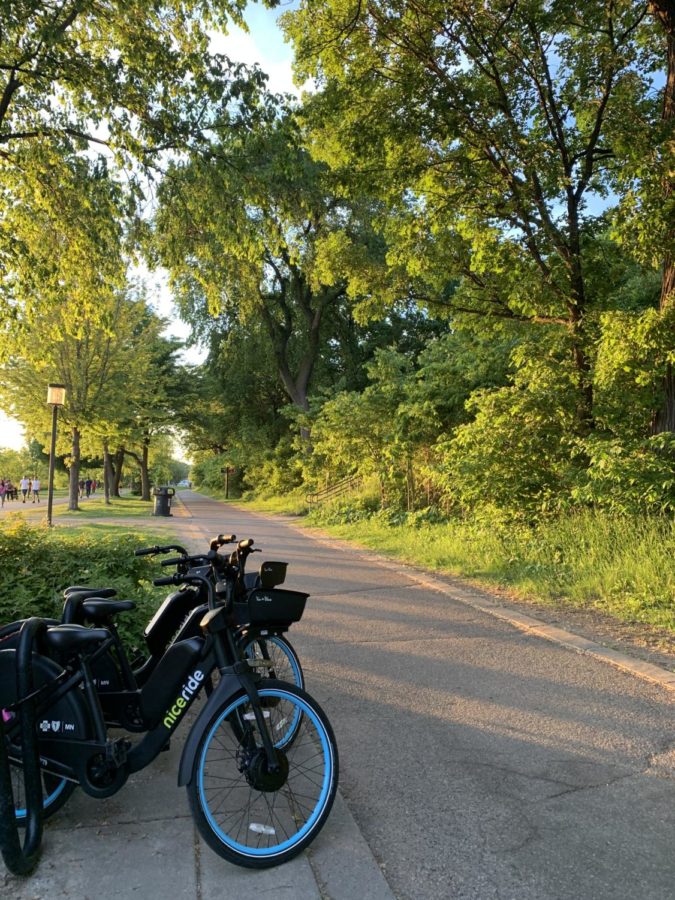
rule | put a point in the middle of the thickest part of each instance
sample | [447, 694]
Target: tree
[250, 231]
[152, 394]
[62, 242]
[133, 74]
[664, 417]
[493, 132]
[100, 366]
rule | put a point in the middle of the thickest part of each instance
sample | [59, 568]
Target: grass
[289, 504]
[622, 566]
[94, 507]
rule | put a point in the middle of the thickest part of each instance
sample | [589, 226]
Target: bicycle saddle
[98, 610]
[65, 638]
[84, 591]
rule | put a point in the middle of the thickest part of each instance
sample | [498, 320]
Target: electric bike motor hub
[259, 775]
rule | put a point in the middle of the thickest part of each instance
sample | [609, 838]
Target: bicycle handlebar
[178, 560]
[151, 551]
[177, 578]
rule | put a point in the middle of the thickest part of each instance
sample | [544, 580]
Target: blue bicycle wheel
[282, 660]
[55, 792]
[250, 814]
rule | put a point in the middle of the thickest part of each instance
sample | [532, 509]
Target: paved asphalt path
[478, 761]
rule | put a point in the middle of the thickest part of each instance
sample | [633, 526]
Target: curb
[459, 592]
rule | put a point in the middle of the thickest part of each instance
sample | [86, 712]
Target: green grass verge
[289, 504]
[622, 566]
[95, 507]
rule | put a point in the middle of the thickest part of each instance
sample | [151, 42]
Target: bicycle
[260, 762]
[119, 683]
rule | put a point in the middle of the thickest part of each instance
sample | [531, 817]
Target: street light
[56, 396]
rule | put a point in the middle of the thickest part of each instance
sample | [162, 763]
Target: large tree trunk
[664, 417]
[142, 461]
[73, 484]
[108, 473]
[117, 474]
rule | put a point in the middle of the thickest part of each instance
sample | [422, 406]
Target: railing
[344, 486]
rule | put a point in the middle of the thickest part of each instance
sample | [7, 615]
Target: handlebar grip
[146, 551]
[222, 539]
[172, 561]
[245, 545]
[169, 579]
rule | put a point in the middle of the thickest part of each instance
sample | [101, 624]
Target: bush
[39, 562]
[344, 511]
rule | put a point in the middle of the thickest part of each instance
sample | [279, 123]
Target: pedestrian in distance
[3, 492]
[80, 484]
[87, 486]
[24, 484]
[36, 489]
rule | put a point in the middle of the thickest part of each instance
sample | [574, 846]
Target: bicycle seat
[84, 591]
[97, 610]
[65, 638]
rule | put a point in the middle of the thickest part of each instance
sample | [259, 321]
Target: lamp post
[56, 396]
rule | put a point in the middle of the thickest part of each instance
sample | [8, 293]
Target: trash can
[162, 497]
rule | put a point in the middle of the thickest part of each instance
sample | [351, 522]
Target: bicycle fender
[227, 687]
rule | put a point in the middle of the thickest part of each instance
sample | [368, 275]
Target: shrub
[38, 563]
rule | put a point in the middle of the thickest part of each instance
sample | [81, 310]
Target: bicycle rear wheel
[249, 815]
[279, 651]
[55, 792]
[64, 716]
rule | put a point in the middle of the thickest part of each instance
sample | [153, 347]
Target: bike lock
[21, 860]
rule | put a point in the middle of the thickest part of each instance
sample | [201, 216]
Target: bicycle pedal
[116, 752]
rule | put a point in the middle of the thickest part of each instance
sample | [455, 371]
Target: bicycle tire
[286, 663]
[247, 815]
[55, 793]
[56, 789]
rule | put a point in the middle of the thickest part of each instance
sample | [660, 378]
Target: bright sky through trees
[263, 45]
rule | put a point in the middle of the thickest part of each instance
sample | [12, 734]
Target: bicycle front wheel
[250, 814]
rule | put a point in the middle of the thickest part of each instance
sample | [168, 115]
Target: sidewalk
[142, 843]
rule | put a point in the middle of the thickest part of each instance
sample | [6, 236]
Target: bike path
[142, 842]
[479, 760]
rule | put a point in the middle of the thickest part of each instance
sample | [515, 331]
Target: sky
[264, 45]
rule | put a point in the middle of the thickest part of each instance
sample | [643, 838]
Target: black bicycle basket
[270, 606]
